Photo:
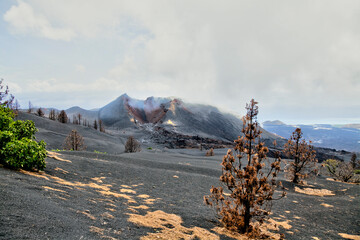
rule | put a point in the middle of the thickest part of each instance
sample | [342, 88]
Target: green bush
[17, 143]
[95, 151]
[342, 171]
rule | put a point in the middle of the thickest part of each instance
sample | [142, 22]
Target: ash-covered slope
[174, 115]
[54, 134]
[321, 135]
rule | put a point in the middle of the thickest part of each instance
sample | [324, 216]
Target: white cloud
[291, 56]
[23, 20]
[80, 68]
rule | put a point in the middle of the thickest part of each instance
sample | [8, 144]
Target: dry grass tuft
[53, 189]
[97, 230]
[61, 170]
[110, 209]
[98, 179]
[56, 156]
[269, 225]
[127, 191]
[140, 207]
[107, 215]
[274, 225]
[349, 236]
[87, 213]
[35, 174]
[228, 233]
[171, 227]
[326, 205]
[315, 192]
[118, 195]
[149, 201]
[143, 196]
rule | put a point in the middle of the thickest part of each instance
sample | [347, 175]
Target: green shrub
[56, 150]
[342, 171]
[331, 165]
[17, 143]
[25, 153]
[95, 151]
[6, 117]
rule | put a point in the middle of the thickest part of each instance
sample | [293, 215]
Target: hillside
[169, 113]
[154, 194]
[157, 136]
[54, 134]
[321, 135]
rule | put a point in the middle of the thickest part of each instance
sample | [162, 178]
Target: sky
[300, 59]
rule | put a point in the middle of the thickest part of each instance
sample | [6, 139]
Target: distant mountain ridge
[352, 125]
[173, 123]
[172, 114]
[175, 115]
[321, 135]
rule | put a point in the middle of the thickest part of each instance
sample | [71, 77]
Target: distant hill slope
[322, 135]
[153, 136]
[89, 115]
[54, 134]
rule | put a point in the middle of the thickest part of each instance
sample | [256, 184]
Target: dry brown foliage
[101, 126]
[40, 112]
[303, 154]
[248, 190]
[210, 152]
[132, 145]
[74, 141]
[62, 117]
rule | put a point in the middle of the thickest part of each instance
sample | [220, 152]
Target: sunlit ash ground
[155, 195]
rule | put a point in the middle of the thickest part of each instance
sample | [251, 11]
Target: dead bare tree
[355, 164]
[52, 115]
[30, 107]
[249, 191]
[132, 145]
[302, 153]
[95, 125]
[101, 126]
[16, 107]
[6, 98]
[79, 117]
[62, 117]
[74, 141]
[40, 112]
[75, 120]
